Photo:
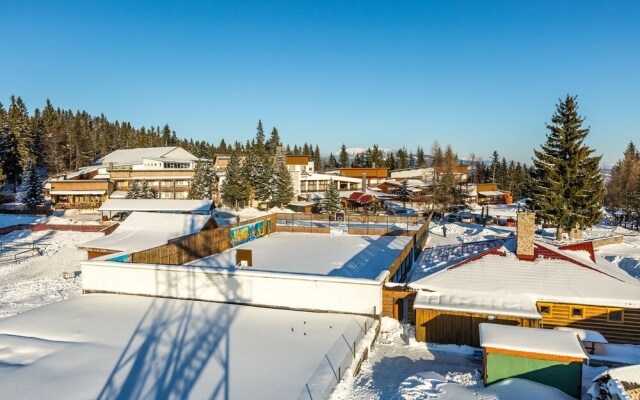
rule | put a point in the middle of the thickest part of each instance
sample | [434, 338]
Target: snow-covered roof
[317, 254]
[77, 192]
[491, 193]
[477, 302]
[584, 334]
[144, 230]
[555, 276]
[118, 194]
[531, 340]
[157, 205]
[327, 177]
[135, 156]
[116, 346]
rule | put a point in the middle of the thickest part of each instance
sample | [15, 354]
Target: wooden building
[371, 175]
[549, 357]
[168, 172]
[80, 193]
[526, 283]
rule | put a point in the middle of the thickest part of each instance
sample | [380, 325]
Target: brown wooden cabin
[81, 194]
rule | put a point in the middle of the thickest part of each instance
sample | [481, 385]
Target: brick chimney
[526, 231]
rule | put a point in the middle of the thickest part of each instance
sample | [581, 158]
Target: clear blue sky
[480, 75]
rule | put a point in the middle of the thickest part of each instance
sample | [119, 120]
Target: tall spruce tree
[273, 142]
[317, 160]
[235, 189]
[10, 155]
[403, 193]
[283, 193]
[204, 181]
[569, 188]
[343, 157]
[32, 187]
[331, 203]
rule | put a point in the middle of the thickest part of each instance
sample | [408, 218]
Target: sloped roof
[555, 275]
[531, 340]
[134, 156]
[144, 230]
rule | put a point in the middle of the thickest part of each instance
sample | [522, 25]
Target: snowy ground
[227, 216]
[401, 368]
[36, 278]
[84, 217]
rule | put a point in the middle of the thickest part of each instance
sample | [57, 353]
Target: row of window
[578, 312]
[177, 165]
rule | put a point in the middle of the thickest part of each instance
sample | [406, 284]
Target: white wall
[302, 292]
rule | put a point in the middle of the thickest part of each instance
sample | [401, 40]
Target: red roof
[365, 199]
[355, 196]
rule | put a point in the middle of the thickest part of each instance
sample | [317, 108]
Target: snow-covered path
[37, 280]
[401, 368]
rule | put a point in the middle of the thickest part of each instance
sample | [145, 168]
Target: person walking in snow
[444, 231]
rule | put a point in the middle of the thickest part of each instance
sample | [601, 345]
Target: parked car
[120, 216]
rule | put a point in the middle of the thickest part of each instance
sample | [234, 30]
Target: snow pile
[398, 368]
[37, 279]
[274, 210]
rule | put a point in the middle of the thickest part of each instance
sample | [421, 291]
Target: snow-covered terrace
[114, 346]
[316, 254]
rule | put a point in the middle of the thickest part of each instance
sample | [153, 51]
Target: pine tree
[331, 203]
[32, 187]
[343, 158]
[145, 191]
[135, 190]
[403, 193]
[494, 167]
[283, 193]
[317, 160]
[569, 189]
[273, 142]
[390, 162]
[204, 182]
[19, 122]
[332, 163]
[235, 189]
[10, 155]
[420, 157]
[624, 177]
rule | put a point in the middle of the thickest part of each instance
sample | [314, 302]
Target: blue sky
[480, 75]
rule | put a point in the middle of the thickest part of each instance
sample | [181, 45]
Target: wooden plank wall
[390, 298]
[459, 328]
[193, 247]
[595, 318]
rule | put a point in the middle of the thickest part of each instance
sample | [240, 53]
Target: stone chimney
[364, 182]
[526, 231]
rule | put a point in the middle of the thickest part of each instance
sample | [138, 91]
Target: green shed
[550, 357]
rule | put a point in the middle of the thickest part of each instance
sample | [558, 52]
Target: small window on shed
[615, 315]
[544, 309]
[577, 312]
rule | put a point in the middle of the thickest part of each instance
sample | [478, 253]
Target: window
[576, 313]
[615, 315]
[544, 309]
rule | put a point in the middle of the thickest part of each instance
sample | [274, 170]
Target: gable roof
[135, 156]
[498, 282]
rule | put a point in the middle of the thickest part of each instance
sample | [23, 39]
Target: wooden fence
[193, 247]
